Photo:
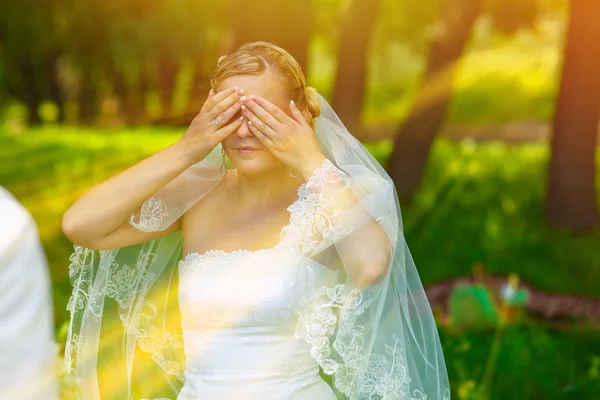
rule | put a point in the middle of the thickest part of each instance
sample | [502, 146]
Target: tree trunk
[571, 200]
[29, 91]
[415, 136]
[352, 57]
[166, 74]
[200, 85]
[119, 88]
[54, 88]
[284, 23]
[134, 102]
[87, 99]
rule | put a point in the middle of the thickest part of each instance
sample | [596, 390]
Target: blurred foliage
[484, 203]
[88, 48]
[479, 203]
[497, 81]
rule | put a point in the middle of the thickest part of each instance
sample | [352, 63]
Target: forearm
[105, 206]
[366, 250]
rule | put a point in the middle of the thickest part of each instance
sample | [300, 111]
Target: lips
[247, 149]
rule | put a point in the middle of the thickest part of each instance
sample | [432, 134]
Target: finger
[297, 114]
[258, 123]
[204, 107]
[226, 115]
[217, 98]
[228, 129]
[225, 104]
[272, 109]
[263, 114]
[264, 139]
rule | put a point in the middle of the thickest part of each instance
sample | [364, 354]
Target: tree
[284, 23]
[571, 200]
[29, 51]
[415, 136]
[356, 32]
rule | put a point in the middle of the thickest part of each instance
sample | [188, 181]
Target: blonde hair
[260, 57]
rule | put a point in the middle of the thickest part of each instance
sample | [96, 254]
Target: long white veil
[378, 341]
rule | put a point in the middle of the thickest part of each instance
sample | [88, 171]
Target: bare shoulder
[215, 202]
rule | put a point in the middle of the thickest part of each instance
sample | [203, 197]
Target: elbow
[68, 227]
[73, 231]
[375, 270]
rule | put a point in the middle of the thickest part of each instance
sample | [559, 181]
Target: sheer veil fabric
[376, 341]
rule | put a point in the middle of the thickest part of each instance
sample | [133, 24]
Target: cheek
[269, 158]
[228, 141]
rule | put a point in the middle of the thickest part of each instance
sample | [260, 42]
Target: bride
[292, 277]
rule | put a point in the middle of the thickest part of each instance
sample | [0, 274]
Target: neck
[263, 188]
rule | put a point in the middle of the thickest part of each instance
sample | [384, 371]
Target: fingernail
[243, 98]
[292, 103]
[236, 87]
[243, 107]
[212, 90]
[241, 91]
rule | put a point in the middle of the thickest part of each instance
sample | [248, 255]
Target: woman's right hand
[203, 134]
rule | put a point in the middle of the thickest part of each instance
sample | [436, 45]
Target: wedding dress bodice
[239, 314]
[239, 317]
[238, 320]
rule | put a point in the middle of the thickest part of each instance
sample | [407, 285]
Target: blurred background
[484, 112]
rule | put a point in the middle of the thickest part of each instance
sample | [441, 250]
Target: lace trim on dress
[219, 263]
[382, 376]
[314, 218]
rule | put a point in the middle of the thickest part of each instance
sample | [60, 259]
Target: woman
[291, 266]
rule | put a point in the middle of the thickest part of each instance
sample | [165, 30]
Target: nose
[243, 131]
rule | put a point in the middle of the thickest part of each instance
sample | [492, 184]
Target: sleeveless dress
[238, 320]
[239, 314]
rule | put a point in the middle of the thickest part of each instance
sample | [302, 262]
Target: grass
[534, 362]
[478, 203]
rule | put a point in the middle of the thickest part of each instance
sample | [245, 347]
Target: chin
[254, 163]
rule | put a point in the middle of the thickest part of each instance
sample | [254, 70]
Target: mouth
[246, 149]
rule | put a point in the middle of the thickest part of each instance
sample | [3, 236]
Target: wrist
[309, 166]
[188, 153]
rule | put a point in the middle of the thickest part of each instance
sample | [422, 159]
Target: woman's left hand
[291, 140]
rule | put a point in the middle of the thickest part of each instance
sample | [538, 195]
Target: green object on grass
[472, 306]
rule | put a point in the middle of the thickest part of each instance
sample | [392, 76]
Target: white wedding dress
[262, 324]
[239, 316]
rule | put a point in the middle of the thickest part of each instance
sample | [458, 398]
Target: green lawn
[478, 203]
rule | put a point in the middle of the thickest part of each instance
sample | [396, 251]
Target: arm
[99, 218]
[366, 250]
